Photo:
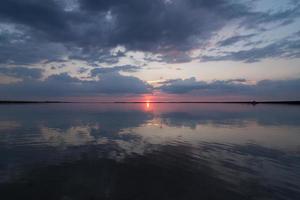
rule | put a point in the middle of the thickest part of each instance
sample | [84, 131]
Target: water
[149, 151]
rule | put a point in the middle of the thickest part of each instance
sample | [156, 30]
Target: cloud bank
[39, 38]
[279, 89]
[33, 31]
[63, 85]
[111, 82]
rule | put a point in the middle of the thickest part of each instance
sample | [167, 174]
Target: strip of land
[222, 102]
[173, 102]
[30, 102]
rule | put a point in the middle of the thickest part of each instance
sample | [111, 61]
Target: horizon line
[142, 102]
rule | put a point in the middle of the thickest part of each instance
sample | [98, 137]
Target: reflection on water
[149, 151]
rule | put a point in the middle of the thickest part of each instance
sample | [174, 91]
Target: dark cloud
[178, 86]
[283, 17]
[36, 33]
[281, 89]
[82, 70]
[164, 26]
[124, 68]
[234, 39]
[89, 29]
[46, 16]
[283, 49]
[65, 85]
[238, 80]
[21, 49]
[114, 83]
[22, 72]
[94, 54]
[172, 57]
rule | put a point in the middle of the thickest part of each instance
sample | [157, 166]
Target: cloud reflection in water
[236, 150]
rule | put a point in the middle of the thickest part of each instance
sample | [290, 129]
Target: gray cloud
[62, 85]
[178, 86]
[22, 72]
[21, 49]
[34, 32]
[283, 49]
[82, 70]
[281, 89]
[88, 29]
[235, 39]
[114, 83]
[124, 68]
[46, 16]
[283, 17]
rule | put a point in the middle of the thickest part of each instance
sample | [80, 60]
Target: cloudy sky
[150, 49]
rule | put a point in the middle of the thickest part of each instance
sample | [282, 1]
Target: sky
[150, 50]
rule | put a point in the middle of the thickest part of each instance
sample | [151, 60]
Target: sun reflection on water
[148, 105]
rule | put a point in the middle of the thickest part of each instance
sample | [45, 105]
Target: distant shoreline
[160, 102]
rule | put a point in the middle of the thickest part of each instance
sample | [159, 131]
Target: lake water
[149, 151]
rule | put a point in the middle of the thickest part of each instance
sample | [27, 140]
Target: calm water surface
[149, 151]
